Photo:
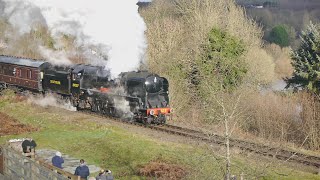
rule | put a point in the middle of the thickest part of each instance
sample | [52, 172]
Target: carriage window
[135, 88]
[4, 70]
[9, 70]
[17, 72]
[29, 74]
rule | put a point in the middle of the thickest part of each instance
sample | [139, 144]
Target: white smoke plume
[55, 57]
[114, 26]
[21, 14]
[51, 100]
[120, 102]
[122, 105]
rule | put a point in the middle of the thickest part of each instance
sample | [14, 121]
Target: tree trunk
[228, 163]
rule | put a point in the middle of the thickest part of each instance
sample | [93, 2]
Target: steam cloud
[114, 26]
[51, 100]
[58, 58]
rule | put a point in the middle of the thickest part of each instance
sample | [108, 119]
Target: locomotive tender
[138, 96]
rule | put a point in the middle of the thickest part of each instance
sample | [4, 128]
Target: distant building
[254, 6]
[143, 3]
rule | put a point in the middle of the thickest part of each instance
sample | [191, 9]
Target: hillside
[295, 14]
[222, 77]
[214, 56]
[133, 152]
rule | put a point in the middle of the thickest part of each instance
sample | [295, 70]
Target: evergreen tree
[222, 60]
[306, 60]
[279, 35]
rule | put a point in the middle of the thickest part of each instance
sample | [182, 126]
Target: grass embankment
[125, 152]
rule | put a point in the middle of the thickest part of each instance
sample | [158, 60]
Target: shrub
[222, 59]
[279, 35]
[283, 117]
[282, 60]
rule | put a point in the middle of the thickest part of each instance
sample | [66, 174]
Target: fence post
[1, 161]
[242, 176]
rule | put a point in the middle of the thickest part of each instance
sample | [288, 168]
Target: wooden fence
[15, 165]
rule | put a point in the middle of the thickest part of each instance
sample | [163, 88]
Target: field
[132, 152]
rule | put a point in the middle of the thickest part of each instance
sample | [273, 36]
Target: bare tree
[228, 117]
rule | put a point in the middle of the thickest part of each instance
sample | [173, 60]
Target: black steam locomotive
[137, 96]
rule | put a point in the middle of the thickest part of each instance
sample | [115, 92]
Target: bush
[283, 118]
[279, 35]
[222, 60]
[282, 60]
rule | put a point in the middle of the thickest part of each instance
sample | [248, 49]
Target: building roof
[21, 61]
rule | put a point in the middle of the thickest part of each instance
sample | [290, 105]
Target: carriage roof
[21, 61]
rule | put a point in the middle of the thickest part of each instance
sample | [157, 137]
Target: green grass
[123, 152]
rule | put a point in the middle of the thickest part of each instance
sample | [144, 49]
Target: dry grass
[283, 118]
[310, 120]
[163, 170]
[270, 115]
[10, 126]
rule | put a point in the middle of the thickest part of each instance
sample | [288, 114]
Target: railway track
[260, 149]
[278, 153]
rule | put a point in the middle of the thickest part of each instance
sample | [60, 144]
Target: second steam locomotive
[138, 95]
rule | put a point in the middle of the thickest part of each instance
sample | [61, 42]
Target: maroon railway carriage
[22, 72]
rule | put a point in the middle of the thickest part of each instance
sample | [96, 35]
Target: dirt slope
[9, 126]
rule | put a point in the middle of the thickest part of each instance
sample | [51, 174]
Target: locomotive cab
[86, 80]
[88, 77]
[75, 81]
